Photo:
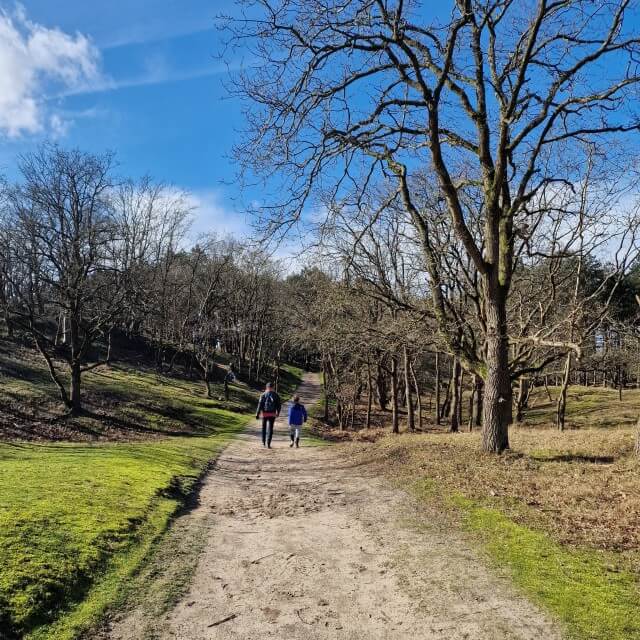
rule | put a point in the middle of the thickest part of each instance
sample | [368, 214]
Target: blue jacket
[297, 414]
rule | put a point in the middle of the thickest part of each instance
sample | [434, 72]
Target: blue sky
[139, 77]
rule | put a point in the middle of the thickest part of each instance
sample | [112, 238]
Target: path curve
[299, 543]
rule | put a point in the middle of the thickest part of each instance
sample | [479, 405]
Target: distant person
[228, 379]
[269, 408]
[297, 417]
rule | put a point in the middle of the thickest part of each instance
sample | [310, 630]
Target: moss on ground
[290, 377]
[77, 520]
[593, 597]
[586, 407]
[68, 509]
[558, 512]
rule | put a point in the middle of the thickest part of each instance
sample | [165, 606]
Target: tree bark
[437, 388]
[472, 402]
[523, 398]
[369, 397]
[460, 396]
[496, 405]
[561, 406]
[477, 412]
[76, 383]
[76, 366]
[454, 412]
[446, 405]
[381, 388]
[325, 374]
[408, 396]
[395, 427]
[418, 396]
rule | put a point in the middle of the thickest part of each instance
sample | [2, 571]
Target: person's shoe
[297, 443]
[291, 445]
[269, 446]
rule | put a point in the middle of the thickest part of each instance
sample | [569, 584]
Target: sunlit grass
[67, 509]
[558, 511]
[77, 519]
[594, 599]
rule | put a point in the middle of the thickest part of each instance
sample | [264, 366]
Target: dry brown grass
[581, 486]
[559, 511]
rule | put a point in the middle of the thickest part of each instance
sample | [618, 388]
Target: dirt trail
[300, 544]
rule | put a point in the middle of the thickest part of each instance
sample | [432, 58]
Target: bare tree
[63, 246]
[490, 97]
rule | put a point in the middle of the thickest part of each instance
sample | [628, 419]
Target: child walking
[297, 417]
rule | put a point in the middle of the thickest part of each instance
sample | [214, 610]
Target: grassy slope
[559, 512]
[586, 407]
[73, 513]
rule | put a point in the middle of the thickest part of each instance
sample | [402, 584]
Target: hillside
[84, 499]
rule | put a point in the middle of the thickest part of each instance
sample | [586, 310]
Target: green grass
[586, 407]
[77, 520]
[290, 377]
[67, 509]
[588, 591]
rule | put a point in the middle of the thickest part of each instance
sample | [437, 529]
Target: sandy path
[299, 544]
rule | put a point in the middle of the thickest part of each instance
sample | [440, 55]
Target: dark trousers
[267, 430]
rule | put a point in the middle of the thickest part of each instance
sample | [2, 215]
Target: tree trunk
[561, 406]
[395, 428]
[369, 396]
[620, 383]
[207, 384]
[76, 366]
[454, 411]
[446, 405]
[472, 404]
[523, 398]
[496, 405]
[354, 402]
[325, 374]
[460, 396]
[477, 412]
[52, 372]
[418, 396]
[277, 380]
[381, 388]
[408, 396]
[437, 388]
[76, 381]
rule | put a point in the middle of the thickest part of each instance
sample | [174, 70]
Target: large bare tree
[490, 97]
[61, 253]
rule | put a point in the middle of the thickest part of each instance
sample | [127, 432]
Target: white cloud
[212, 215]
[58, 126]
[34, 58]
[154, 74]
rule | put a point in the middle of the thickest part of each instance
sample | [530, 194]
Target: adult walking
[269, 409]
